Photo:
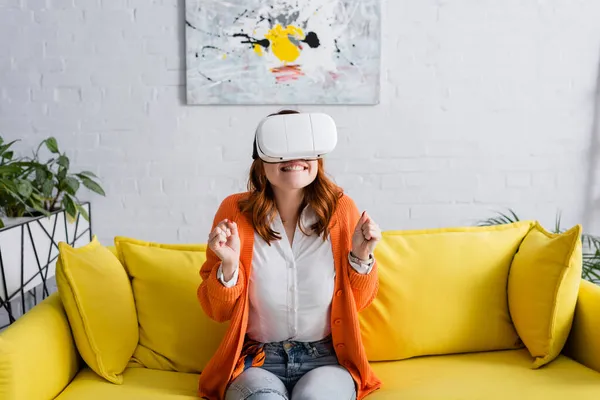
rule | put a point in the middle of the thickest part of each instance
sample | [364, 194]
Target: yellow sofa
[414, 358]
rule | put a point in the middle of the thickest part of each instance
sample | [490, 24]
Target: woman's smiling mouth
[294, 167]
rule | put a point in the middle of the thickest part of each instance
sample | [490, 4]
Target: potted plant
[591, 244]
[17, 194]
[42, 184]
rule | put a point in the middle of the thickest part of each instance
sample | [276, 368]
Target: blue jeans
[304, 370]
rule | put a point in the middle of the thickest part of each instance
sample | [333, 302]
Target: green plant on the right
[591, 244]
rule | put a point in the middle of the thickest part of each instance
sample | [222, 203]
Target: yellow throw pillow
[442, 291]
[543, 285]
[98, 300]
[175, 334]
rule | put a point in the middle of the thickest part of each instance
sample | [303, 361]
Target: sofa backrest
[441, 291]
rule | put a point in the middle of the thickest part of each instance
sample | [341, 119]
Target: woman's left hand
[365, 237]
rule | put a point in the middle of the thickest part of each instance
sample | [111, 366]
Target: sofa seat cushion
[491, 375]
[138, 384]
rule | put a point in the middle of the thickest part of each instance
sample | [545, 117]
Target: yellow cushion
[97, 297]
[542, 290]
[175, 334]
[442, 291]
[498, 375]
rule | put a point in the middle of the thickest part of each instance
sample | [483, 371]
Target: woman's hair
[321, 195]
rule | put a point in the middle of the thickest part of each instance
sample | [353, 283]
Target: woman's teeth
[293, 168]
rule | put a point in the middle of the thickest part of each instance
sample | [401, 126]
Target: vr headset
[282, 138]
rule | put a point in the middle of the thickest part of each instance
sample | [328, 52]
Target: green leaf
[591, 275]
[509, 219]
[591, 241]
[8, 155]
[71, 185]
[4, 147]
[69, 206]
[93, 186]
[8, 185]
[87, 173]
[11, 170]
[47, 188]
[557, 228]
[52, 145]
[40, 176]
[62, 174]
[1, 223]
[24, 188]
[83, 211]
[63, 161]
[501, 219]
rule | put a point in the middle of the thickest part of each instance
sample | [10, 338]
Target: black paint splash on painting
[339, 52]
[188, 23]
[240, 16]
[202, 50]
[252, 41]
[312, 40]
[208, 78]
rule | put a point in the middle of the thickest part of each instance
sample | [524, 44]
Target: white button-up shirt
[291, 287]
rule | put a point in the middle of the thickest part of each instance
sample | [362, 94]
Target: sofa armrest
[583, 344]
[38, 356]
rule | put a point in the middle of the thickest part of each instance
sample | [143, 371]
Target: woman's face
[291, 175]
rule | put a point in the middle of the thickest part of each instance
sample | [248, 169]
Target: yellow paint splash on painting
[258, 49]
[282, 47]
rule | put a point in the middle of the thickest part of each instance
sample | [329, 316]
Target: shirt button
[338, 322]
[341, 346]
[338, 293]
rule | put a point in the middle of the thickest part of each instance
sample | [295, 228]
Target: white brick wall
[484, 105]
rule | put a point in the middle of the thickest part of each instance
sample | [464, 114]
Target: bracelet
[360, 260]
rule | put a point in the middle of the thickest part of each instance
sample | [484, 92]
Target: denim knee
[256, 384]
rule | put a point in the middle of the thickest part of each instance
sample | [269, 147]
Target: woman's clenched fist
[224, 240]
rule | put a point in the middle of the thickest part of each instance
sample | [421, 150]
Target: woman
[289, 264]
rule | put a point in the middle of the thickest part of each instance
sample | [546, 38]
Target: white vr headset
[281, 138]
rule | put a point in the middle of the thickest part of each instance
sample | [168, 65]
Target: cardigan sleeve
[217, 300]
[364, 286]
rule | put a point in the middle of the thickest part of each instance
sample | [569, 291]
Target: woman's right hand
[224, 240]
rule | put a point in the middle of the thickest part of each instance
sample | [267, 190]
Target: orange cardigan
[353, 292]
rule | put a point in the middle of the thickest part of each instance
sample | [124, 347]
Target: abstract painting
[283, 51]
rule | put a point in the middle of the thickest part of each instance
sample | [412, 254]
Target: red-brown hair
[321, 195]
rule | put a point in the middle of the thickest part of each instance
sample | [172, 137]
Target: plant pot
[29, 250]
[9, 222]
